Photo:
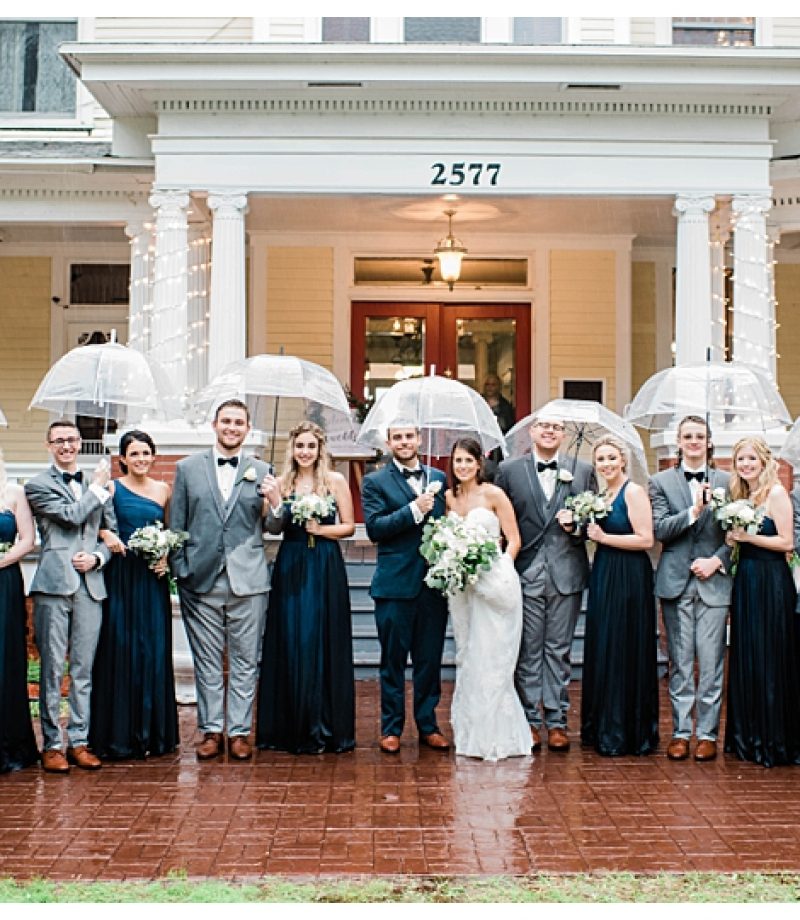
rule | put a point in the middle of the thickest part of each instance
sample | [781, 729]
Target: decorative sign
[465, 173]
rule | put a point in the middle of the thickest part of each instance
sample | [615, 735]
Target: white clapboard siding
[174, 29]
[786, 32]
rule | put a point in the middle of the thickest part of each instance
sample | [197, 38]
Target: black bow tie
[69, 477]
[412, 474]
[541, 466]
[234, 461]
[698, 476]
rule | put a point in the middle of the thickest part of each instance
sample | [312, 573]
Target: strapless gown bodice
[483, 517]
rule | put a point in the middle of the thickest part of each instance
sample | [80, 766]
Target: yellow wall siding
[787, 293]
[643, 322]
[643, 30]
[24, 353]
[165, 29]
[786, 31]
[300, 302]
[583, 319]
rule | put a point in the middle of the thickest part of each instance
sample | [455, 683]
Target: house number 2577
[465, 173]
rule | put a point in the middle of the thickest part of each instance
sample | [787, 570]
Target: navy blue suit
[411, 618]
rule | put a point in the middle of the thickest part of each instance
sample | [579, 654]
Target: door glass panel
[394, 349]
[486, 361]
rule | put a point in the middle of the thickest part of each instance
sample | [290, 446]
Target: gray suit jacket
[683, 542]
[66, 527]
[542, 535]
[221, 534]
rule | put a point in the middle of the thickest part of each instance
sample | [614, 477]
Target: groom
[410, 616]
[554, 570]
[224, 500]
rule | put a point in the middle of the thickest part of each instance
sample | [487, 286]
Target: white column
[140, 303]
[199, 284]
[753, 326]
[720, 235]
[773, 238]
[169, 326]
[227, 311]
[693, 311]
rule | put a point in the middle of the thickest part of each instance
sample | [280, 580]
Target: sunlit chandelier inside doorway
[450, 251]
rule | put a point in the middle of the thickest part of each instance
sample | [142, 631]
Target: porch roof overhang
[128, 79]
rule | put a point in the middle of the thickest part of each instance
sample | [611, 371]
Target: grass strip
[607, 887]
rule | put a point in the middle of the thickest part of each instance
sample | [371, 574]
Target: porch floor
[420, 812]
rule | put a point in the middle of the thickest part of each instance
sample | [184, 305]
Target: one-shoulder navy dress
[134, 713]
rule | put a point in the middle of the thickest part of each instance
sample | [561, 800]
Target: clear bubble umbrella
[790, 452]
[3, 422]
[109, 381]
[729, 395]
[280, 391]
[443, 409]
[586, 421]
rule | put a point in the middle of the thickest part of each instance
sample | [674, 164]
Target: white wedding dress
[486, 715]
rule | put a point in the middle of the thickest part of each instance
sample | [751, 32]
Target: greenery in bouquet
[155, 541]
[5, 548]
[588, 507]
[311, 507]
[733, 513]
[456, 551]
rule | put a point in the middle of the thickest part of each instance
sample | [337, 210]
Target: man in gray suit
[223, 500]
[68, 589]
[694, 586]
[553, 569]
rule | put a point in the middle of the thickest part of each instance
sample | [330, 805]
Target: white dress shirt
[547, 478]
[416, 486]
[694, 487]
[226, 474]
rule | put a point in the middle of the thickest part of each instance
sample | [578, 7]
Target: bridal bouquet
[740, 512]
[5, 548]
[588, 507]
[456, 551]
[311, 507]
[154, 541]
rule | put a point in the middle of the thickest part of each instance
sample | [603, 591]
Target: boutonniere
[249, 475]
[565, 475]
[432, 488]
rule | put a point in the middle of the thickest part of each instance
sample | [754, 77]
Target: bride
[487, 717]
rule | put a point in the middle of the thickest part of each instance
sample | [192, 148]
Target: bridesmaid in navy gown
[306, 697]
[619, 704]
[763, 714]
[17, 741]
[134, 713]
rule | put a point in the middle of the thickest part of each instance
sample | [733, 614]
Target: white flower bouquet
[154, 541]
[588, 507]
[456, 551]
[311, 507]
[730, 514]
[5, 548]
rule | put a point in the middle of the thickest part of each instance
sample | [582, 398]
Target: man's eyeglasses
[65, 442]
[550, 426]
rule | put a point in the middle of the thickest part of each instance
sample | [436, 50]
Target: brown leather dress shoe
[239, 748]
[54, 761]
[390, 744]
[557, 740]
[536, 739]
[436, 740]
[82, 757]
[210, 746]
[706, 750]
[678, 749]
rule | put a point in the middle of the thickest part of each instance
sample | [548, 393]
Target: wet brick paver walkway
[420, 812]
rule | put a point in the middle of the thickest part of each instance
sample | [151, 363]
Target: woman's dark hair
[127, 439]
[473, 448]
[697, 420]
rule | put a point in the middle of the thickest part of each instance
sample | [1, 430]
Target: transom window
[345, 29]
[731, 31]
[33, 76]
[442, 29]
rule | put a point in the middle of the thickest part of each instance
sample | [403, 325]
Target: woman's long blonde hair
[322, 467]
[738, 487]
